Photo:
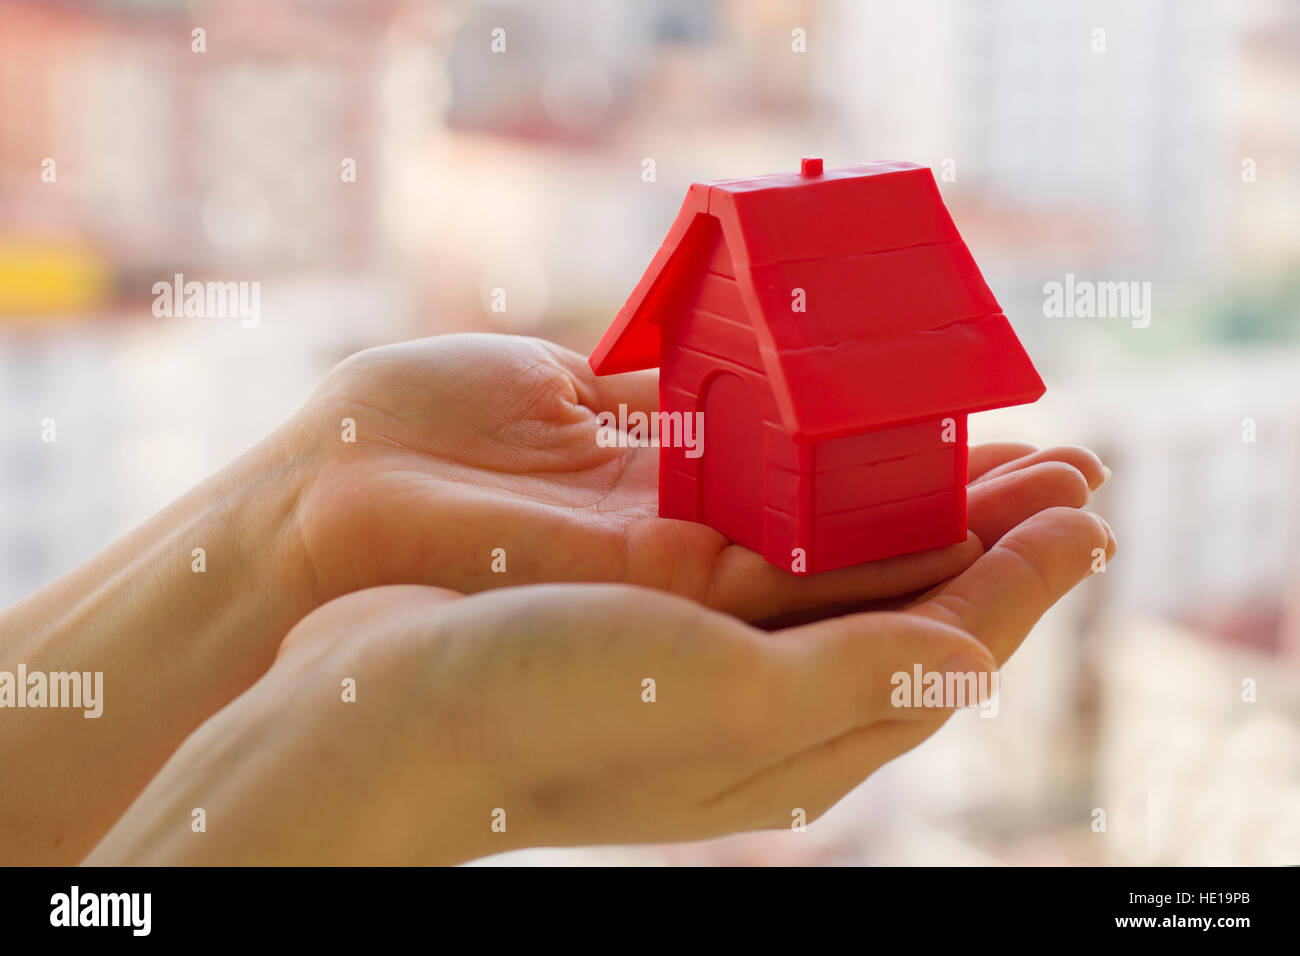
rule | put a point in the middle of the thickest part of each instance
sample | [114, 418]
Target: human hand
[464, 444]
[529, 702]
[470, 443]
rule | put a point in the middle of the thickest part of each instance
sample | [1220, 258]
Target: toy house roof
[898, 324]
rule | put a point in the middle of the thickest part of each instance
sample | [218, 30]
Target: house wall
[887, 492]
[842, 501]
[710, 334]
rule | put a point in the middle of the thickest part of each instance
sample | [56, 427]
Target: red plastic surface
[835, 332]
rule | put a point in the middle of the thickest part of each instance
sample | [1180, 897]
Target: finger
[637, 391]
[745, 585]
[1082, 459]
[1040, 560]
[1001, 596]
[850, 671]
[997, 600]
[996, 506]
[990, 455]
[749, 588]
[842, 678]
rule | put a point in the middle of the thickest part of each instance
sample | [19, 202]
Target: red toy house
[834, 333]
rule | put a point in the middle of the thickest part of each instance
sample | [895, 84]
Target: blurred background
[544, 148]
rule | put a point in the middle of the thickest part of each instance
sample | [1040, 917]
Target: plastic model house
[834, 332]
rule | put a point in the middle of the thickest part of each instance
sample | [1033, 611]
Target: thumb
[849, 672]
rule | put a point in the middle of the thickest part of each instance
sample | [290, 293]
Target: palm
[476, 452]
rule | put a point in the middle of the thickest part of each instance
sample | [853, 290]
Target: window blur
[1152, 141]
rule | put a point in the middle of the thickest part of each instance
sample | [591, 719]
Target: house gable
[897, 323]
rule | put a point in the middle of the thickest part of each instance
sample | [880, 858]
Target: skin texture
[464, 444]
[530, 702]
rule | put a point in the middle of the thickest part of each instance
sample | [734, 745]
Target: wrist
[252, 510]
[180, 617]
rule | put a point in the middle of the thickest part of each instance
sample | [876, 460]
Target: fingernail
[1105, 477]
[1111, 543]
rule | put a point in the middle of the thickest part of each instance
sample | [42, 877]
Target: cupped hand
[477, 452]
[574, 714]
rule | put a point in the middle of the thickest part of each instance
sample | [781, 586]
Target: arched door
[731, 467]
